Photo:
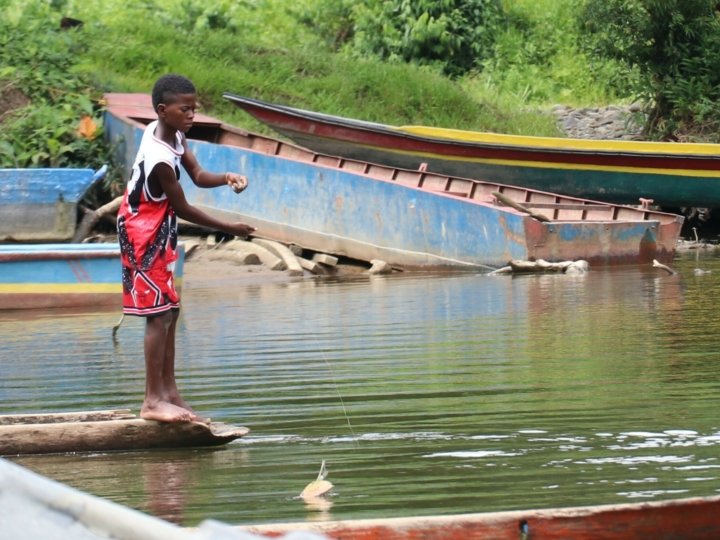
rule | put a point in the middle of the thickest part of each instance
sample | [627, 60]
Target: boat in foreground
[40, 205]
[672, 175]
[36, 276]
[683, 519]
[103, 431]
[411, 219]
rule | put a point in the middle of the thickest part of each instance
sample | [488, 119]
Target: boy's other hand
[243, 230]
[237, 182]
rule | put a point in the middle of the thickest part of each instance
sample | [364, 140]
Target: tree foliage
[674, 44]
[455, 35]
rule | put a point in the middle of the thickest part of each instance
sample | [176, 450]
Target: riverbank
[203, 269]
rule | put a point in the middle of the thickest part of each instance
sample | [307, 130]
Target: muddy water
[463, 393]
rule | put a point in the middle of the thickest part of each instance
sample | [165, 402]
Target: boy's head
[169, 88]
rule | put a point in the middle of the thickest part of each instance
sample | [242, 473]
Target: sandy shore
[200, 271]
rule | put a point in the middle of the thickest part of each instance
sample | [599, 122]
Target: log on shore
[110, 435]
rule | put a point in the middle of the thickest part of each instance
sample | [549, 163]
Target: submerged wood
[77, 433]
[543, 267]
[656, 264]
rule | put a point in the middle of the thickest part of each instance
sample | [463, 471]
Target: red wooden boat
[683, 519]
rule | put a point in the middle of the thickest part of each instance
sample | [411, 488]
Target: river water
[425, 394]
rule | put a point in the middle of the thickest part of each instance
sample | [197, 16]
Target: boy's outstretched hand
[236, 181]
[243, 230]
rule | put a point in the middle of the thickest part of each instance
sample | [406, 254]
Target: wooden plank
[312, 266]
[83, 416]
[324, 258]
[110, 435]
[568, 206]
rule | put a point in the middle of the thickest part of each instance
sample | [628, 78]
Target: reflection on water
[424, 394]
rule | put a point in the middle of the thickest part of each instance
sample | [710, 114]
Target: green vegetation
[452, 35]
[674, 45]
[47, 111]
[385, 61]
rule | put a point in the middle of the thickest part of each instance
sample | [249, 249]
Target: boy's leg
[170, 389]
[156, 406]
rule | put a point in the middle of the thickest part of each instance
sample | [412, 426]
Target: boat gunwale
[499, 522]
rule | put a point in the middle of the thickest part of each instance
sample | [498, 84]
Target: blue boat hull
[63, 275]
[40, 205]
[338, 211]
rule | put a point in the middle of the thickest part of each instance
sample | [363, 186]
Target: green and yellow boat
[619, 172]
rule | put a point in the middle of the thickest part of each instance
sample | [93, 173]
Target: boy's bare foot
[180, 402]
[165, 412]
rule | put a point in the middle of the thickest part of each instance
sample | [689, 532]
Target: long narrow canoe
[40, 205]
[103, 431]
[611, 171]
[683, 519]
[37, 276]
[408, 218]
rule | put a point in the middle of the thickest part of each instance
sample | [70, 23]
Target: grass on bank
[131, 58]
[266, 49]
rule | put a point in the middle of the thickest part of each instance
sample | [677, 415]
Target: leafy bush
[674, 45]
[38, 67]
[454, 35]
[331, 20]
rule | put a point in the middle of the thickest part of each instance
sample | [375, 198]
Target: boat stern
[603, 243]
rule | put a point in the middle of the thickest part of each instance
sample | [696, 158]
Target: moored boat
[40, 205]
[682, 519]
[621, 172]
[102, 431]
[408, 218]
[36, 276]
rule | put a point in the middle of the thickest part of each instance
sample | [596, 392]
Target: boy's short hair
[168, 87]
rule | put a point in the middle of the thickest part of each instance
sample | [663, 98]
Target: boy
[147, 231]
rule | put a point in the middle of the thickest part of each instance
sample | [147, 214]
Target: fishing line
[327, 362]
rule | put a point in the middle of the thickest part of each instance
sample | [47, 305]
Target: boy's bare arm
[175, 194]
[206, 179]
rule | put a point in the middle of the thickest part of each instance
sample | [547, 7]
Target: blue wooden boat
[619, 172]
[63, 275]
[40, 205]
[412, 219]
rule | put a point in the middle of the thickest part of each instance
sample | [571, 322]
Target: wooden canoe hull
[684, 519]
[114, 431]
[612, 171]
[38, 276]
[409, 219]
[40, 205]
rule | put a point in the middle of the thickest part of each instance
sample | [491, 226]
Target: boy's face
[179, 114]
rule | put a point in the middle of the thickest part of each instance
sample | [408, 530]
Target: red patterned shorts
[149, 293]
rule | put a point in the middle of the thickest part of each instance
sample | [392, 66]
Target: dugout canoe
[682, 519]
[621, 172]
[408, 218]
[34, 276]
[40, 205]
[104, 431]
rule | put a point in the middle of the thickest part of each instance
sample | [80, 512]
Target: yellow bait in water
[319, 486]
